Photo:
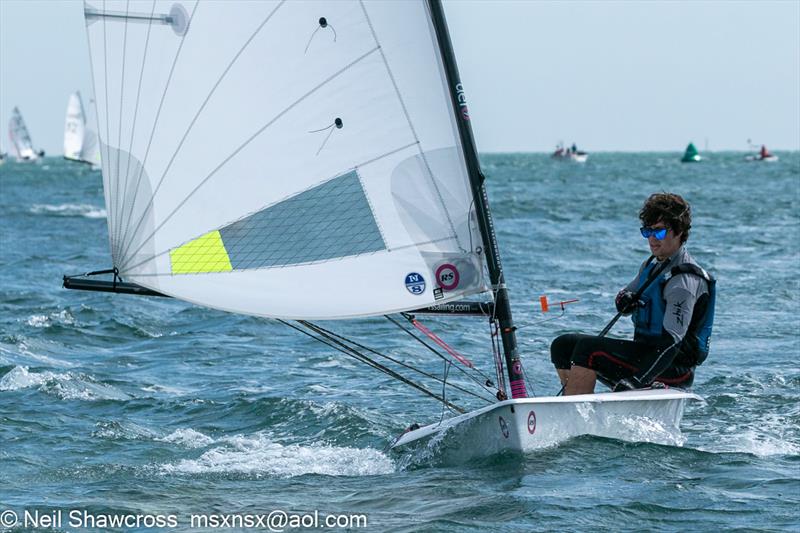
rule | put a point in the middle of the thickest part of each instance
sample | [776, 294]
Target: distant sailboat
[80, 142]
[691, 155]
[763, 155]
[21, 139]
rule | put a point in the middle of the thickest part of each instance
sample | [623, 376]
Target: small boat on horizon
[691, 155]
[569, 154]
[762, 155]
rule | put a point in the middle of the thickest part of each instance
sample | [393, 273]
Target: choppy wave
[258, 455]
[62, 317]
[66, 386]
[188, 438]
[69, 210]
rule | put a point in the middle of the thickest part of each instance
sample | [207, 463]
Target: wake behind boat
[343, 190]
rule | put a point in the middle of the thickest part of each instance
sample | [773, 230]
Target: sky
[607, 75]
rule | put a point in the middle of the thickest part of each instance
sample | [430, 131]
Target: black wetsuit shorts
[614, 359]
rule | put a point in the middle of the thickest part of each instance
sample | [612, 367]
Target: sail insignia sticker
[531, 422]
[415, 283]
[447, 276]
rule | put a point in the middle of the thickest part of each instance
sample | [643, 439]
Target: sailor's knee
[561, 350]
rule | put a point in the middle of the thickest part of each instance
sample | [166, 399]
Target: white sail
[284, 159]
[90, 152]
[80, 140]
[74, 128]
[20, 138]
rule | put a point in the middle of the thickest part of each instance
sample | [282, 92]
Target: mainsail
[20, 138]
[283, 159]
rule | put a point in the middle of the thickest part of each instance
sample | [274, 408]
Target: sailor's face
[665, 247]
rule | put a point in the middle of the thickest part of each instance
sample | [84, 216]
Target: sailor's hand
[626, 302]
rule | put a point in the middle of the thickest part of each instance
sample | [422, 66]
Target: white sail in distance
[20, 138]
[283, 159]
[74, 128]
[80, 140]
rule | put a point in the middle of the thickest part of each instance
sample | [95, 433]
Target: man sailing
[673, 314]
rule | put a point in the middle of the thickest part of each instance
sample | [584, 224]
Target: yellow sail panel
[203, 254]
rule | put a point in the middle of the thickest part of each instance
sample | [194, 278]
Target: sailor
[764, 152]
[672, 316]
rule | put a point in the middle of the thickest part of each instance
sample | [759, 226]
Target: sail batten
[284, 159]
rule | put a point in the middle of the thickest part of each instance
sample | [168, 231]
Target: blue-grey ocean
[126, 405]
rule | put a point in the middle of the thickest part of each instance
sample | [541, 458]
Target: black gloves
[625, 302]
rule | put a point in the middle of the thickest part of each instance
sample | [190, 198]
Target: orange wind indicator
[546, 305]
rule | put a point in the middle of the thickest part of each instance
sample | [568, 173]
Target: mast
[502, 305]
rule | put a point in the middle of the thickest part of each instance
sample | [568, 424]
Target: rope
[341, 339]
[360, 357]
[438, 354]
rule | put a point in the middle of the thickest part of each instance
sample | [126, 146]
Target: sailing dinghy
[80, 141]
[347, 185]
[20, 138]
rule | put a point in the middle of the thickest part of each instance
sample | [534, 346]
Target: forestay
[283, 159]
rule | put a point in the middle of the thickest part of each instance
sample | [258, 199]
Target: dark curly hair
[669, 208]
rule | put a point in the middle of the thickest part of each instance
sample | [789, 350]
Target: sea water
[125, 406]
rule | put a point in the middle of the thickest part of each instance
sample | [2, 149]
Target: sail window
[330, 221]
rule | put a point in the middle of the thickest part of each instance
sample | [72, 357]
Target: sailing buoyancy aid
[649, 316]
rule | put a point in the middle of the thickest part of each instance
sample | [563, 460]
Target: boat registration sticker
[447, 276]
[503, 426]
[415, 283]
[531, 422]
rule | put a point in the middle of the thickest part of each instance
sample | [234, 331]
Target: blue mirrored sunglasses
[658, 233]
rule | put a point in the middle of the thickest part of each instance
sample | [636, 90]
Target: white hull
[575, 158]
[522, 425]
[768, 159]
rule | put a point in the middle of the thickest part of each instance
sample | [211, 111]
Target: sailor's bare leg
[581, 381]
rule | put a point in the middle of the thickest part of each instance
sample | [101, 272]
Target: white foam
[19, 378]
[45, 321]
[772, 435]
[69, 210]
[258, 455]
[175, 391]
[64, 385]
[113, 430]
[760, 444]
[187, 437]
